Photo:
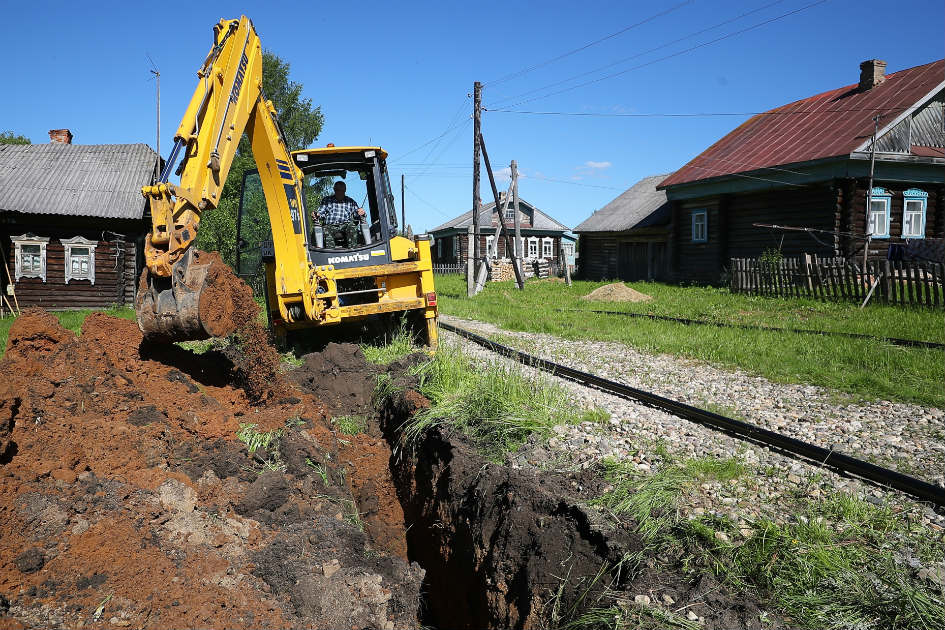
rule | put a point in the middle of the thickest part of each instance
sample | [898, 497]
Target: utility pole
[403, 208]
[517, 246]
[869, 192]
[477, 130]
[157, 74]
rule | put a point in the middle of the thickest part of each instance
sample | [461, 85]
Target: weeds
[349, 509]
[839, 563]
[350, 425]
[399, 345]
[320, 470]
[266, 441]
[496, 406]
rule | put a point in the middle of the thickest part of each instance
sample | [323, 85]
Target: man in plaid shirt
[339, 213]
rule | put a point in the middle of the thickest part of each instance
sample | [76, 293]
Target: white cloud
[597, 165]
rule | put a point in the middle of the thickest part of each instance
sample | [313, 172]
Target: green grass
[399, 345]
[839, 562]
[861, 368]
[350, 425]
[494, 405]
[69, 319]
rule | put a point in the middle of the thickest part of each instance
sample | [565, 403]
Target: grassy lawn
[69, 319]
[863, 368]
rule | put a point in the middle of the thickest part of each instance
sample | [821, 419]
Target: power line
[449, 127]
[410, 190]
[542, 64]
[664, 58]
[645, 52]
[763, 179]
[694, 114]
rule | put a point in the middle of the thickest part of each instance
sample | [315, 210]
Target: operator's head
[340, 188]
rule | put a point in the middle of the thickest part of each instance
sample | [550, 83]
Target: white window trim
[878, 194]
[439, 249]
[29, 239]
[705, 226]
[550, 242]
[78, 241]
[532, 240]
[456, 246]
[922, 197]
[489, 243]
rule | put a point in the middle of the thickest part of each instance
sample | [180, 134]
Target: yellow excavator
[312, 279]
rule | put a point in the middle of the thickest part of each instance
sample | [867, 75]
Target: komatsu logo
[334, 260]
[238, 82]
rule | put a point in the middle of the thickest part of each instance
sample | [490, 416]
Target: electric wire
[542, 64]
[670, 56]
[697, 114]
[645, 52]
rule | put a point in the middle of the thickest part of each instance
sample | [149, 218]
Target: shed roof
[92, 180]
[642, 205]
[540, 220]
[827, 125]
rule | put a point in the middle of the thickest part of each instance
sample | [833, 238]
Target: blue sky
[398, 75]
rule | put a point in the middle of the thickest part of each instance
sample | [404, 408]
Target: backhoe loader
[308, 284]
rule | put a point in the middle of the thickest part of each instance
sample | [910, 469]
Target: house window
[547, 247]
[439, 249]
[510, 211]
[490, 240]
[79, 259]
[700, 226]
[914, 204]
[30, 254]
[533, 247]
[456, 247]
[877, 224]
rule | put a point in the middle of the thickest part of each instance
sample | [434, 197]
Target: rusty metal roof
[92, 180]
[827, 125]
[642, 205]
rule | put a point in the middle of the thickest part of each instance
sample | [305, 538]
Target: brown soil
[226, 302]
[617, 292]
[127, 500]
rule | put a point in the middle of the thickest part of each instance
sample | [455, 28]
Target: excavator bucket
[202, 298]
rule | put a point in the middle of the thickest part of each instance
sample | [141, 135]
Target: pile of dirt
[226, 302]
[127, 500]
[616, 292]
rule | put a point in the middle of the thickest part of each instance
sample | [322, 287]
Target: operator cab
[363, 171]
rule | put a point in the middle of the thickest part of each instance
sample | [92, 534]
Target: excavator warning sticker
[378, 252]
[294, 210]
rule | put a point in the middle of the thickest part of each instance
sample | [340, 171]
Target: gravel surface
[905, 437]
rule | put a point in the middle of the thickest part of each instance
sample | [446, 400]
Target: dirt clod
[30, 561]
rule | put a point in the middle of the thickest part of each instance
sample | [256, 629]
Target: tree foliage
[300, 121]
[8, 137]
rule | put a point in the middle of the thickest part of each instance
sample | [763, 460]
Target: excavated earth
[126, 499]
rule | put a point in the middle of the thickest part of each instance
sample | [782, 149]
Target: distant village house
[73, 221]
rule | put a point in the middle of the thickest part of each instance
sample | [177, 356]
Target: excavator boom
[227, 101]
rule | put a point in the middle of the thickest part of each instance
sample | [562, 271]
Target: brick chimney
[872, 73]
[60, 135]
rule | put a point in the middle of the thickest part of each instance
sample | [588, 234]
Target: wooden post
[477, 134]
[517, 244]
[563, 256]
[519, 277]
[810, 283]
[470, 263]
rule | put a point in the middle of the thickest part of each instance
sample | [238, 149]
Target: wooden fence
[886, 281]
[446, 269]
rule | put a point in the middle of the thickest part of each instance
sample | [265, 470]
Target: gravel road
[905, 437]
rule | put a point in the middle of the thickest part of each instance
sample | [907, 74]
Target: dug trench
[157, 487]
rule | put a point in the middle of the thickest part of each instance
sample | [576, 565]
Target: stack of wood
[543, 268]
[502, 270]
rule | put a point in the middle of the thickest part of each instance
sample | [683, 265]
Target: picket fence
[886, 281]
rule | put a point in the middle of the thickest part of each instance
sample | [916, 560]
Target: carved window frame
[29, 239]
[82, 243]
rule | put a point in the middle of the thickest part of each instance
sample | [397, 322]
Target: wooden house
[73, 221]
[542, 235]
[807, 164]
[628, 238]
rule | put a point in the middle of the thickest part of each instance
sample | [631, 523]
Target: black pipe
[821, 456]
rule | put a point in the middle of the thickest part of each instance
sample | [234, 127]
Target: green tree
[8, 137]
[300, 121]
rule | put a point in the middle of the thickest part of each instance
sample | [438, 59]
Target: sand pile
[616, 292]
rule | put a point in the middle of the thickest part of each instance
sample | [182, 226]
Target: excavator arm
[227, 101]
